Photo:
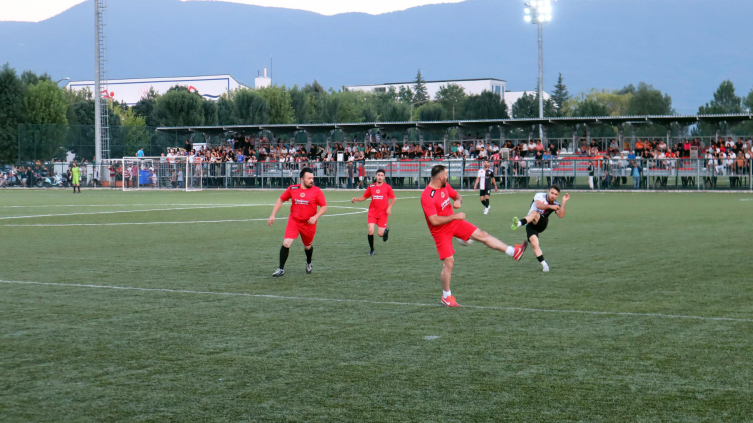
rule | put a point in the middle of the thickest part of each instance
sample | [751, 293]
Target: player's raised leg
[534, 239]
[533, 217]
[515, 252]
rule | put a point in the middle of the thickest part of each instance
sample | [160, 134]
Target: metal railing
[521, 174]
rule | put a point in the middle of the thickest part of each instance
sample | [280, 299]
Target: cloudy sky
[37, 10]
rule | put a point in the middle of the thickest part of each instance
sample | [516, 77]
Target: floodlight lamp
[527, 11]
[527, 18]
[548, 18]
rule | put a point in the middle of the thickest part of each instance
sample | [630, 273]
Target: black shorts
[538, 228]
[485, 192]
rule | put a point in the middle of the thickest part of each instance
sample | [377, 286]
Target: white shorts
[360, 178]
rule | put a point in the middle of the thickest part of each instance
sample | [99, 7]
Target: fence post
[698, 172]
[750, 174]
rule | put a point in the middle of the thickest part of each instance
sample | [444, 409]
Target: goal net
[141, 173]
[194, 174]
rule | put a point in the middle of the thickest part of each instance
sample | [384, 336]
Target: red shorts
[379, 220]
[457, 228]
[296, 227]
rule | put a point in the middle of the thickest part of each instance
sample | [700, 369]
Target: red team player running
[438, 201]
[303, 217]
[380, 209]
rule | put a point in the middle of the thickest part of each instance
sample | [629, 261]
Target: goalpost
[140, 173]
[194, 174]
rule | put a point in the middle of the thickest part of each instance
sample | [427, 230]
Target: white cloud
[38, 10]
[34, 10]
[334, 7]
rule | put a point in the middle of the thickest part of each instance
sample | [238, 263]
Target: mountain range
[685, 48]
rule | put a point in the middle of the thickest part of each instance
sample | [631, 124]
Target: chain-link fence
[569, 173]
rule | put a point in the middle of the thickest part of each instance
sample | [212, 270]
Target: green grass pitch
[209, 335]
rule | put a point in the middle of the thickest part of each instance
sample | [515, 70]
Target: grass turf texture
[86, 354]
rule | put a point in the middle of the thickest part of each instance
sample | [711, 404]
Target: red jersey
[438, 202]
[305, 201]
[380, 198]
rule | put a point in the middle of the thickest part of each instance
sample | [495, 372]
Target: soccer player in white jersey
[486, 177]
[543, 204]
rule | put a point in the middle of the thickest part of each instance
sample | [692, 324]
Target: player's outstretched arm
[546, 206]
[358, 199]
[319, 214]
[275, 209]
[561, 211]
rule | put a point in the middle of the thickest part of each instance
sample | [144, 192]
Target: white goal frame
[163, 173]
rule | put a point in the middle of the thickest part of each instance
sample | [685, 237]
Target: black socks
[540, 258]
[309, 253]
[523, 222]
[371, 241]
[284, 251]
[485, 203]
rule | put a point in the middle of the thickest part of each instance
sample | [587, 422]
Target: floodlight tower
[539, 12]
[101, 107]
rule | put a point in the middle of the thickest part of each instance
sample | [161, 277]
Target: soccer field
[160, 306]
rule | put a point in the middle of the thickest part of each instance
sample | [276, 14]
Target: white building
[471, 86]
[132, 90]
[262, 81]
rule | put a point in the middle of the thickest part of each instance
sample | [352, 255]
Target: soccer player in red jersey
[303, 217]
[438, 201]
[380, 209]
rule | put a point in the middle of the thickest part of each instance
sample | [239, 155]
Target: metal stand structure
[101, 108]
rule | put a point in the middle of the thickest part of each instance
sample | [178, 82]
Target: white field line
[356, 301]
[158, 205]
[130, 211]
[361, 210]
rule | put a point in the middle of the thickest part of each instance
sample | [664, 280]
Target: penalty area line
[373, 302]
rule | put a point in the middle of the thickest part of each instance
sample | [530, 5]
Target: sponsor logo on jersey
[442, 194]
[294, 187]
[303, 194]
[445, 203]
[432, 193]
[378, 197]
[377, 191]
[302, 202]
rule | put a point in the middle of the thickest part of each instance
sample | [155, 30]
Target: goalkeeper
[76, 177]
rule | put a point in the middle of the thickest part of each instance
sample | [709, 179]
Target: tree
[421, 94]
[487, 105]
[590, 108]
[178, 107]
[647, 100]
[11, 104]
[133, 132]
[45, 110]
[560, 96]
[225, 110]
[29, 78]
[405, 95]
[432, 112]
[210, 111]
[147, 108]
[280, 107]
[251, 107]
[725, 102]
[452, 97]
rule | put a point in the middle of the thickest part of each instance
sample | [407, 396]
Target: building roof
[479, 124]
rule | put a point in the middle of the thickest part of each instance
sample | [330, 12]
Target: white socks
[519, 224]
[446, 294]
[510, 251]
[546, 266]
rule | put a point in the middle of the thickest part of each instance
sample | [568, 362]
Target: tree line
[31, 99]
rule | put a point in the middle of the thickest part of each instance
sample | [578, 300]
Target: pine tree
[421, 94]
[560, 96]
